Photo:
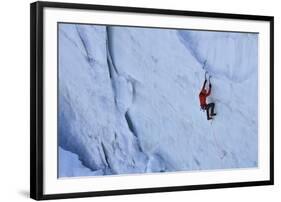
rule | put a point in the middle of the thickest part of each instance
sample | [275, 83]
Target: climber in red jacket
[203, 96]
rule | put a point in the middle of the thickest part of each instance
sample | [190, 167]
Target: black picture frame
[37, 101]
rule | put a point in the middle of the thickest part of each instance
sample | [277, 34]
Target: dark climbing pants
[210, 106]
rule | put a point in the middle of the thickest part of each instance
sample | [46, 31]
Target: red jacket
[203, 95]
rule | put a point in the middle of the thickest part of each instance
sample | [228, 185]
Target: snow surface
[70, 165]
[128, 100]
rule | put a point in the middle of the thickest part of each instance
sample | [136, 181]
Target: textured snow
[70, 165]
[128, 100]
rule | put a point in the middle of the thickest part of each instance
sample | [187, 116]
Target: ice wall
[128, 99]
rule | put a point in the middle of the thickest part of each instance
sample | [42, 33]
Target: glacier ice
[70, 165]
[128, 100]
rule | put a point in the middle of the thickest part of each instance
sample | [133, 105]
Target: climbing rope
[221, 152]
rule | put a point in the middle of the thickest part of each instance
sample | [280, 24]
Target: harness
[203, 107]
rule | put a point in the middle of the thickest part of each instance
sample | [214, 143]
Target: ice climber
[203, 97]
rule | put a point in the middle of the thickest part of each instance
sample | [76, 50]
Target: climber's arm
[210, 88]
[204, 84]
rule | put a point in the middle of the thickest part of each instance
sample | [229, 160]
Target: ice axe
[206, 72]
[210, 78]
[204, 64]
